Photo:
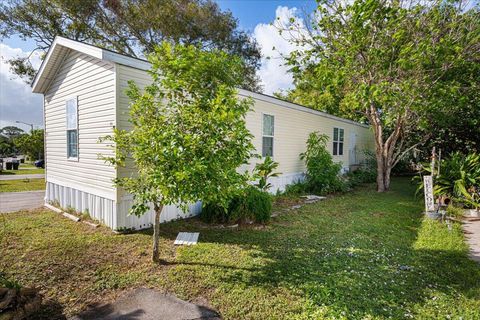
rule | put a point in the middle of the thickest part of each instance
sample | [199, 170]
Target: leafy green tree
[6, 147]
[131, 27]
[31, 144]
[11, 132]
[188, 135]
[386, 63]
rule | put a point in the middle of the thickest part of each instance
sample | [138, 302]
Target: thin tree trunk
[386, 179]
[156, 233]
[380, 172]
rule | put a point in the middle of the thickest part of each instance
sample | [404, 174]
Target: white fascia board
[127, 61]
[64, 42]
[87, 49]
[286, 104]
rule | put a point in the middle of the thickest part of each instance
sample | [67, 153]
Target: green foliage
[188, 132]
[334, 259]
[454, 211]
[11, 132]
[367, 173]
[395, 66]
[6, 282]
[252, 204]
[264, 171]
[8, 135]
[31, 144]
[297, 188]
[322, 173]
[132, 28]
[459, 179]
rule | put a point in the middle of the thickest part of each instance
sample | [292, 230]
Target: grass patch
[361, 255]
[22, 185]
[24, 169]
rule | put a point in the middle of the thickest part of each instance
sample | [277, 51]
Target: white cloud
[273, 73]
[17, 102]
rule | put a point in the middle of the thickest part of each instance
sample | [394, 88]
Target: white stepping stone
[187, 238]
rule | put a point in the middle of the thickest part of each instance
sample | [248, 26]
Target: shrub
[322, 172]
[453, 211]
[297, 188]
[251, 204]
[264, 171]
[361, 176]
[459, 179]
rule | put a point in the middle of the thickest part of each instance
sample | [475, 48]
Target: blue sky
[254, 16]
[252, 12]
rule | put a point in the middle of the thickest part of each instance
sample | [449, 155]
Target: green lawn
[22, 185]
[335, 259]
[24, 168]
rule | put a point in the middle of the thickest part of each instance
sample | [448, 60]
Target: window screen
[268, 132]
[72, 128]
[338, 137]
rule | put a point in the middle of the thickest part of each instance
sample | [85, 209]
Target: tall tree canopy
[131, 27]
[398, 65]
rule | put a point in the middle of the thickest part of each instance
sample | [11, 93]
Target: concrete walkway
[21, 176]
[15, 201]
[471, 227]
[148, 304]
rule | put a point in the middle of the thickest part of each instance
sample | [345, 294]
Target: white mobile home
[84, 99]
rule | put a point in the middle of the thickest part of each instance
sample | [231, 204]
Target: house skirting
[99, 208]
[116, 215]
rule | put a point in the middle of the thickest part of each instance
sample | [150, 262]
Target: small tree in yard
[188, 134]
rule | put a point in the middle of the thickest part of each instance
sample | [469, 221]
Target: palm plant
[459, 179]
[264, 171]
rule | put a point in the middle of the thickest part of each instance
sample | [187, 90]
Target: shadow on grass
[359, 260]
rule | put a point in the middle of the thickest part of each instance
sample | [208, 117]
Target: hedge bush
[251, 204]
[323, 174]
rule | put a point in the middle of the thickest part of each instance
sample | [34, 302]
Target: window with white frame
[267, 137]
[338, 137]
[72, 128]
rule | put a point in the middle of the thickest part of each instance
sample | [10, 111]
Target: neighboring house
[84, 99]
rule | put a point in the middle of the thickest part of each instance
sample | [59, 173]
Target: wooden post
[432, 163]
[428, 190]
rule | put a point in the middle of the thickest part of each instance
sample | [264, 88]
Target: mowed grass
[361, 255]
[22, 185]
[24, 168]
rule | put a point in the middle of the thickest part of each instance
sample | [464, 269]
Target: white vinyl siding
[141, 79]
[292, 128]
[92, 81]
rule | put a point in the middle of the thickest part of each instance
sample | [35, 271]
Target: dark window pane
[341, 134]
[72, 143]
[335, 134]
[335, 148]
[267, 147]
[340, 148]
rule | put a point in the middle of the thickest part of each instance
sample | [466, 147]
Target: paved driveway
[22, 176]
[471, 226]
[14, 201]
[148, 304]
